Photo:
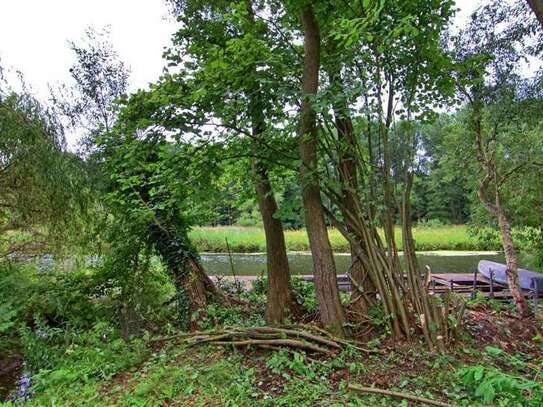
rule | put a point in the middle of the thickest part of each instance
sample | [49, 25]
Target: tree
[501, 118]
[395, 72]
[43, 188]
[232, 85]
[330, 308]
[155, 184]
[100, 79]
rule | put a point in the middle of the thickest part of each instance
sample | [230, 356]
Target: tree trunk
[348, 176]
[511, 260]
[537, 8]
[194, 287]
[487, 160]
[279, 294]
[330, 308]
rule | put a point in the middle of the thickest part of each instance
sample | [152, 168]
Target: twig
[412, 397]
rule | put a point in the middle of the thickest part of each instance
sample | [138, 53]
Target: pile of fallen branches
[311, 339]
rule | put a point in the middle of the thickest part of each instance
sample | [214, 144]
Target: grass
[252, 239]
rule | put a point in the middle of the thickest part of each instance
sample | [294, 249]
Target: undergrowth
[75, 355]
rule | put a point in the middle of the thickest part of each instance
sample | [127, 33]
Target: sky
[34, 36]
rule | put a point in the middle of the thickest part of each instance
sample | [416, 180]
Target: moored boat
[497, 270]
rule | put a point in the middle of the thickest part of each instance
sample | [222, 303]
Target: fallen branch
[265, 337]
[384, 392]
[300, 334]
[345, 342]
[292, 343]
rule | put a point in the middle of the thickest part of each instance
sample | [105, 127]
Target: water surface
[301, 262]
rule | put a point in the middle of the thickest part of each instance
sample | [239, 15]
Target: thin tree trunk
[537, 8]
[348, 176]
[487, 161]
[511, 260]
[330, 308]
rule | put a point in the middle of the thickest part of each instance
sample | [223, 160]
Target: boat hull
[487, 267]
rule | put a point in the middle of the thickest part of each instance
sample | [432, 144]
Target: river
[301, 263]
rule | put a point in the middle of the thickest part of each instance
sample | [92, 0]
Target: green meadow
[251, 239]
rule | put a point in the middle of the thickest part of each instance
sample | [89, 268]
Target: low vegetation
[75, 355]
[244, 239]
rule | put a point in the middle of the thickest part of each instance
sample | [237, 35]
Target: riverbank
[301, 263]
[252, 239]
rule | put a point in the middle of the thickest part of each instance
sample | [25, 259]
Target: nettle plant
[492, 385]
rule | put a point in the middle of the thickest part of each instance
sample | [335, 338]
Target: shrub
[431, 223]
[486, 238]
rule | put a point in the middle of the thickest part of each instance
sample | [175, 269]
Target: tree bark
[537, 8]
[330, 308]
[511, 260]
[487, 161]
[279, 295]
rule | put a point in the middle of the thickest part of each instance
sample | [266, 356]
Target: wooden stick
[412, 397]
[342, 341]
[274, 342]
[300, 334]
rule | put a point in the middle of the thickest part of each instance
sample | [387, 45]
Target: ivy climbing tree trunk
[194, 287]
[330, 308]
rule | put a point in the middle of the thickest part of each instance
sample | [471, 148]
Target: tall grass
[252, 239]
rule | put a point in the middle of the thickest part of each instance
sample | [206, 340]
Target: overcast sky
[34, 35]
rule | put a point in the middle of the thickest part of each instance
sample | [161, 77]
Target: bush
[303, 290]
[527, 238]
[68, 360]
[431, 223]
[486, 238]
[59, 298]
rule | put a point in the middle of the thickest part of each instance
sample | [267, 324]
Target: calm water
[301, 263]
